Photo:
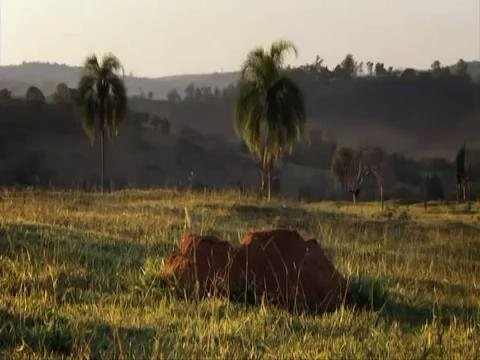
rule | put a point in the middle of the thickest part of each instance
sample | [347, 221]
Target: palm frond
[286, 115]
[248, 116]
[270, 111]
[89, 110]
[112, 64]
[116, 104]
[91, 65]
[281, 48]
[102, 95]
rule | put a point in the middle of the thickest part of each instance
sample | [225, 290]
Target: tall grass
[79, 278]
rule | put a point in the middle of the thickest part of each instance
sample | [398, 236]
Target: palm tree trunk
[469, 189]
[102, 159]
[263, 181]
[381, 196]
[269, 177]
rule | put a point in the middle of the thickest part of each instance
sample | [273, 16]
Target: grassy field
[79, 278]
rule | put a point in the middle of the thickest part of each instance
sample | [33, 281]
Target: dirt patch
[278, 266]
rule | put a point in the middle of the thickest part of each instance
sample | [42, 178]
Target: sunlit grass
[79, 276]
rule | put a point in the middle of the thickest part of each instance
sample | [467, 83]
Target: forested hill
[419, 115]
[46, 76]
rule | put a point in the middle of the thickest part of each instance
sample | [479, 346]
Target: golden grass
[79, 277]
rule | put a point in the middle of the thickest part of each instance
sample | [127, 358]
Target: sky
[159, 38]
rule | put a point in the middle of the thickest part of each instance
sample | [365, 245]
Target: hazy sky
[157, 37]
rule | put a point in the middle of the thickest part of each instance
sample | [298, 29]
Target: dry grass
[79, 277]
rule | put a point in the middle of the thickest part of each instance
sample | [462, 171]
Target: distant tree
[35, 95]
[318, 64]
[348, 168]
[461, 69]
[5, 95]
[62, 94]
[338, 72]
[464, 176]
[375, 161]
[174, 97]
[409, 74]
[150, 95]
[190, 92]
[206, 92]
[438, 71]
[380, 69]
[349, 66]
[270, 110]
[370, 68]
[436, 66]
[359, 68]
[103, 98]
[351, 168]
[316, 67]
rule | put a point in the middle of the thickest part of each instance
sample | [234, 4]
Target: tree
[370, 68]
[103, 98]
[62, 94]
[409, 73]
[270, 109]
[174, 97]
[5, 95]
[349, 66]
[374, 160]
[461, 69]
[359, 68]
[349, 169]
[436, 66]
[380, 69]
[190, 91]
[352, 167]
[35, 95]
[464, 176]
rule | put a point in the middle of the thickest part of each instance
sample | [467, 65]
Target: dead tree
[349, 169]
[464, 176]
[352, 167]
[375, 162]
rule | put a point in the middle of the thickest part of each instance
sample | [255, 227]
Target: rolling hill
[46, 76]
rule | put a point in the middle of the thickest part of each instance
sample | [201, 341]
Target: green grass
[79, 277]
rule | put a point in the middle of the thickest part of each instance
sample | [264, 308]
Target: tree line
[270, 108]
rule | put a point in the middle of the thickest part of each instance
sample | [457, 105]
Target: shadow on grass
[414, 316]
[56, 335]
[454, 290]
[371, 294]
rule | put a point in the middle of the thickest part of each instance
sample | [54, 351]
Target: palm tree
[270, 110]
[103, 98]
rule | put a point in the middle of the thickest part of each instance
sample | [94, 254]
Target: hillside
[46, 76]
[18, 78]
[420, 120]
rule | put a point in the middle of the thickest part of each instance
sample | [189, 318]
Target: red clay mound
[284, 268]
[278, 265]
[205, 259]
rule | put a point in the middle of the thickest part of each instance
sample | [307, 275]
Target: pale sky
[157, 37]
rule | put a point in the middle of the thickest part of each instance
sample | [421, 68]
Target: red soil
[278, 266]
